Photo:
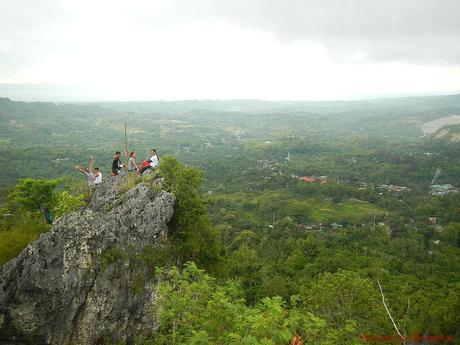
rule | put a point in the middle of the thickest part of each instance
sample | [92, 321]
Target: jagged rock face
[69, 288]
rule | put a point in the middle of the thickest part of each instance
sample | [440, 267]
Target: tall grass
[13, 240]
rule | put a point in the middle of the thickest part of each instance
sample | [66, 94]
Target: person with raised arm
[88, 172]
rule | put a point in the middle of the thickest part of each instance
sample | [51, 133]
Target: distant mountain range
[66, 94]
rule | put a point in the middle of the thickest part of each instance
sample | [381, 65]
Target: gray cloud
[413, 31]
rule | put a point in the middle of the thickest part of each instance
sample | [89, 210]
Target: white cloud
[215, 49]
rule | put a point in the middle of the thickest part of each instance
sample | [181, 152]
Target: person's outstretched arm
[80, 170]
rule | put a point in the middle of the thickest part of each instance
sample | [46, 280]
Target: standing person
[132, 165]
[89, 175]
[88, 172]
[97, 176]
[154, 161]
[47, 213]
[116, 164]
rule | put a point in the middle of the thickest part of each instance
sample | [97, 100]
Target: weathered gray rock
[74, 285]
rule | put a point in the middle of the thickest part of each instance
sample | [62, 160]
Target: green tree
[34, 194]
[25, 228]
[451, 234]
[192, 308]
[66, 202]
[192, 236]
[346, 298]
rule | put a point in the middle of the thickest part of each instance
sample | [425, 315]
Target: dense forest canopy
[291, 211]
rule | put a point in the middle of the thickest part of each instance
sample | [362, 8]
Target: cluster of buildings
[60, 160]
[393, 188]
[310, 226]
[319, 226]
[311, 179]
[442, 189]
[270, 165]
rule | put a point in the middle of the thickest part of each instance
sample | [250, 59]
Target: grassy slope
[281, 204]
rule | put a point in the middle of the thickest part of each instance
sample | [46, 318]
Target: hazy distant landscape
[47, 140]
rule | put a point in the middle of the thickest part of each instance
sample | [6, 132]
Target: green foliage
[194, 309]
[25, 228]
[130, 182]
[34, 194]
[451, 234]
[138, 284]
[66, 202]
[301, 208]
[111, 255]
[193, 237]
[22, 220]
[345, 297]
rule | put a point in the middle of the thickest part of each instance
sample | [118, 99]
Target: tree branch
[389, 314]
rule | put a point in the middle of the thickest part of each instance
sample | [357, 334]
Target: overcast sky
[221, 49]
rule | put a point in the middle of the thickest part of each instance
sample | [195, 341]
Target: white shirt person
[97, 176]
[154, 161]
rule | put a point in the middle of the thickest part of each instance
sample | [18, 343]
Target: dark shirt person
[116, 164]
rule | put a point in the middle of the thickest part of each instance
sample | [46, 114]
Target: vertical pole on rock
[126, 142]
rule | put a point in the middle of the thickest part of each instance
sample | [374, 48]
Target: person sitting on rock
[154, 161]
[132, 165]
[97, 176]
[151, 163]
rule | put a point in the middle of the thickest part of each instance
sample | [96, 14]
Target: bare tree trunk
[389, 314]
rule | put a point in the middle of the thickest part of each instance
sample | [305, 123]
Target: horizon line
[10, 96]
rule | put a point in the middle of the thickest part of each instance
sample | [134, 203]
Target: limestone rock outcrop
[73, 285]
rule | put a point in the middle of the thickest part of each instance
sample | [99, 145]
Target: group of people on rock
[94, 175]
[132, 166]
